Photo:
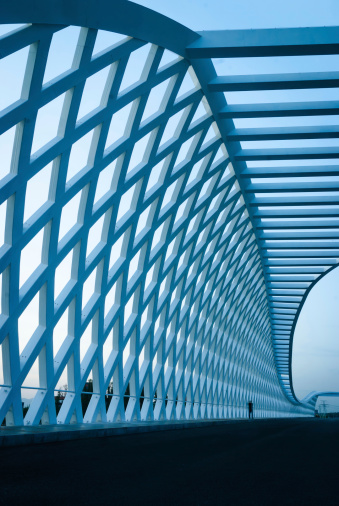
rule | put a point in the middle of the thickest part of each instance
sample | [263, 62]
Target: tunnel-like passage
[149, 269]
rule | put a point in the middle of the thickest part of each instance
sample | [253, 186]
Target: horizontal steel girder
[291, 81]
[265, 42]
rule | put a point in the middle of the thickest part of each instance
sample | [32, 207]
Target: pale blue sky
[237, 14]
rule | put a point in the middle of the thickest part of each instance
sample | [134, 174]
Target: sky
[237, 14]
[316, 343]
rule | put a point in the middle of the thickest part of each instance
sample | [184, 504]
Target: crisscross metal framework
[183, 304]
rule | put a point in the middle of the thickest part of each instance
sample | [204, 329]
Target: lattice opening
[6, 148]
[93, 93]
[61, 52]
[12, 71]
[31, 257]
[47, 123]
[28, 322]
[106, 40]
[136, 69]
[37, 191]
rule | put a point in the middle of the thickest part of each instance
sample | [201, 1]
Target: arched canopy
[206, 248]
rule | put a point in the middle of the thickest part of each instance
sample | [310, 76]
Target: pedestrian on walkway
[250, 410]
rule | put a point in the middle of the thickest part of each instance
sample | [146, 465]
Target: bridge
[152, 265]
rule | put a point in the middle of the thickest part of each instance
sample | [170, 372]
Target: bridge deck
[263, 462]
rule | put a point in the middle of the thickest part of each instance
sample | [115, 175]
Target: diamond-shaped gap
[63, 274]
[172, 249]
[82, 154]
[7, 148]
[186, 150]
[220, 156]
[215, 204]
[189, 83]
[107, 349]
[93, 93]
[171, 195]
[121, 124]
[141, 357]
[157, 176]
[28, 322]
[32, 379]
[128, 204]
[146, 317]
[135, 265]
[168, 58]
[61, 52]
[145, 222]
[69, 215]
[206, 190]
[107, 180]
[141, 152]
[37, 191]
[119, 249]
[137, 67]
[127, 352]
[86, 340]
[88, 289]
[159, 237]
[60, 332]
[222, 216]
[47, 123]
[31, 256]
[197, 171]
[12, 71]
[211, 135]
[106, 40]
[131, 309]
[203, 110]
[182, 212]
[174, 126]
[112, 298]
[150, 277]
[95, 235]
[158, 98]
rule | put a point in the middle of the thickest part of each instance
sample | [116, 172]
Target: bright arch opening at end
[155, 248]
[315, 343]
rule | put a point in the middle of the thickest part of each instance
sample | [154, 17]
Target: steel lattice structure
[194, 281]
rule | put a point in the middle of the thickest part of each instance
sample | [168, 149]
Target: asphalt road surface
[259, 462]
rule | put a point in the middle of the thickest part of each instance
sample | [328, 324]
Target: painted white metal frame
[199, 328]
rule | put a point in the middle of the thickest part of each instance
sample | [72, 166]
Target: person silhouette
[250, 410]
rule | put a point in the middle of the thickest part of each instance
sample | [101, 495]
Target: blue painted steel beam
[287, 154]
[283, 133]
[276, 110]
[288, 171]
[328, 186]
[283, 224]
[265, 42]
[295, 81]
